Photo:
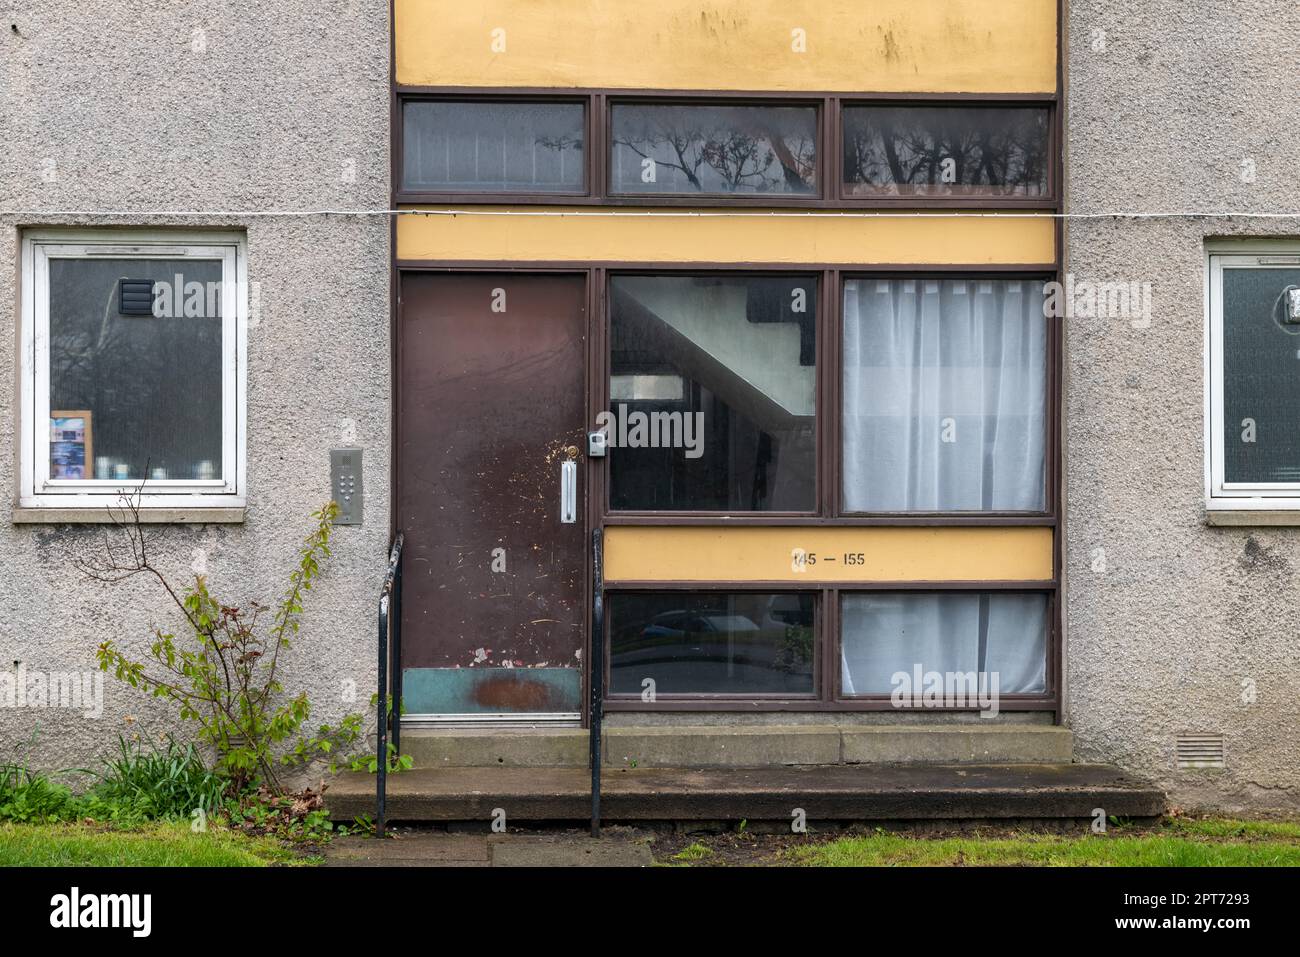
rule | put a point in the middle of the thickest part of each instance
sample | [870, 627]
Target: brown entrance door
[492, 399]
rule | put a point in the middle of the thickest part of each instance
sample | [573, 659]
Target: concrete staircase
[854, 772]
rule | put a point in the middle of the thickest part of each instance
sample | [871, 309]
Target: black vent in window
[135, 297]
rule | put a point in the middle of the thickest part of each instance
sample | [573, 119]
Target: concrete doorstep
[819, 793]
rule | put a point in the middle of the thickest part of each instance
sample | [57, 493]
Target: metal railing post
[395, 624]
[597, 682]
[390, 627]
[381, 743]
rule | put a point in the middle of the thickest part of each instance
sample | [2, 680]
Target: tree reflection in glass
[946, 151]
[714, 149]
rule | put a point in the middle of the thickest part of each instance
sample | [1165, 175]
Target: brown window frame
[830, 195]
[1049, 200]
[585, 195]
[827, 632]
[828, 455]
[711, 516]
[828, 694]
[1051, 410]
[820, 695]
[1006, 702]
[820, 198]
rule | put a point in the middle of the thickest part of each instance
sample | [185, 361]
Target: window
[999, 637]
[944, 395]
[713, 149]
[133, 369]
[491, 146]
[585, 147]
[711, 643]
[713, 384]
[954, 151]
[1254, 351]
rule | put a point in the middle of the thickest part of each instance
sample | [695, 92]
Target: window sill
[150, 516]
[1229, 517]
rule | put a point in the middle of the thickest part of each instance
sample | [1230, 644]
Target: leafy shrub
[223, 672]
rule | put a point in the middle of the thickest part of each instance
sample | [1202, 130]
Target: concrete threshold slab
[713, 746]
[823, 792]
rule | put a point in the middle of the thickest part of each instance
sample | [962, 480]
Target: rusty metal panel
[492, 399]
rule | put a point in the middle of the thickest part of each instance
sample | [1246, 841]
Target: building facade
[764, 313]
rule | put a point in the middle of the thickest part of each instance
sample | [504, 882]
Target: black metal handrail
[597, 670]
[390, 672]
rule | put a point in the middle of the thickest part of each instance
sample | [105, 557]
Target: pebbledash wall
[197, 106]
[1173, 107]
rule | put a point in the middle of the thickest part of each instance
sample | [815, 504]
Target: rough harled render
[1173, 627]
[226, 113]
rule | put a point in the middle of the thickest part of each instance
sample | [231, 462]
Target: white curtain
[884, 633]
[944, 395]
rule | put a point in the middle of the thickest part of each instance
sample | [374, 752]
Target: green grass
[156, 845]
[1226, 828]
[1180, 843]
[694, 852]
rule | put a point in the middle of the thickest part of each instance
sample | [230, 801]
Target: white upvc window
[1252, 376]
[133, 369]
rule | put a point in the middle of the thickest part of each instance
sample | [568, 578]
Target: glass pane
[711, 643]
[135, 396]
[945, 395]
[492, 147]
[946, 151]
[1261, 360]
[661, 148]
[997, 639]
[713, 381]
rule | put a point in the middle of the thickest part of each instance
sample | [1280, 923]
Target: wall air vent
[135, 297]
[1197, 751]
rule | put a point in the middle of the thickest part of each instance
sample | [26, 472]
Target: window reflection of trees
[718, 149]
[941, 151]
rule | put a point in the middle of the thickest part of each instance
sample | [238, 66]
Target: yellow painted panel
[586, 235]
[827, 554]
[944, 46]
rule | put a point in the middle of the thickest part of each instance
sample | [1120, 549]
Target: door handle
[568, 492]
